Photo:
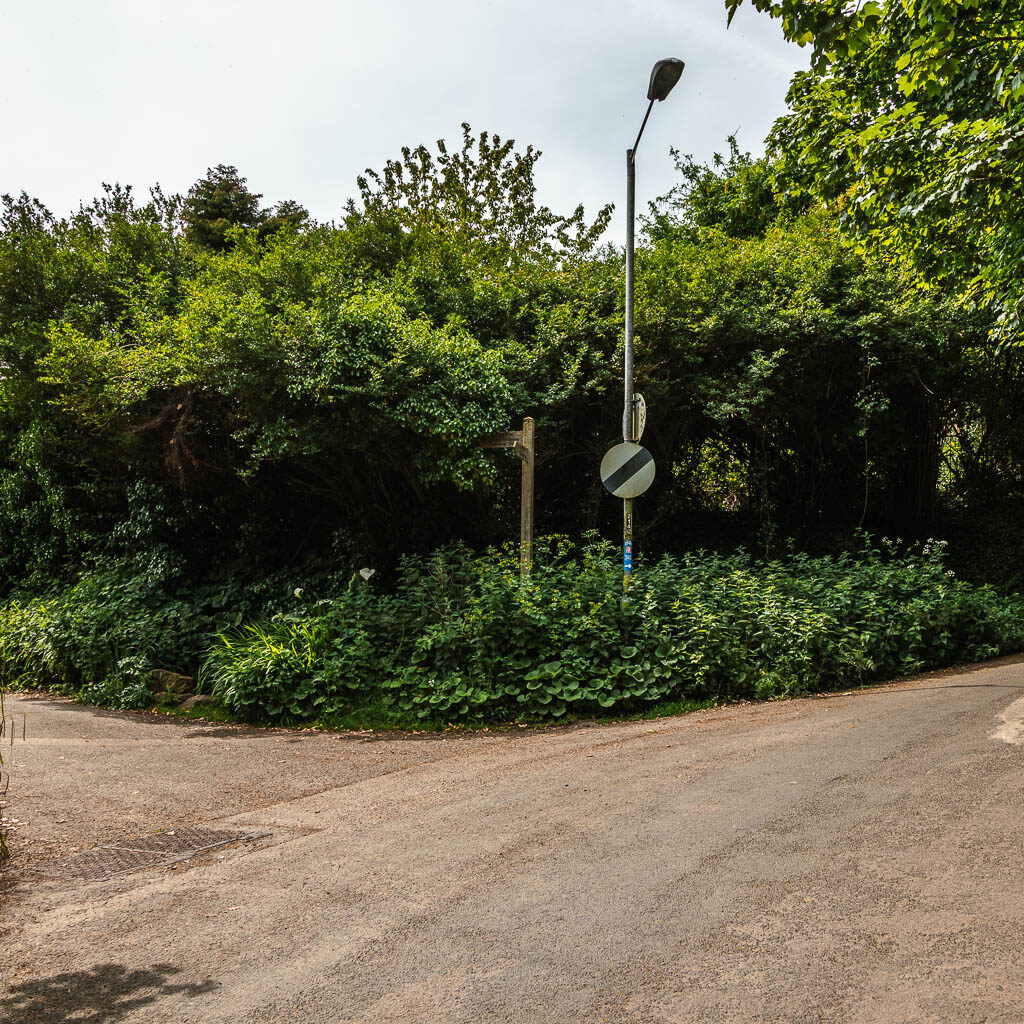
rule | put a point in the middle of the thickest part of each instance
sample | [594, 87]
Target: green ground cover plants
[460, 639]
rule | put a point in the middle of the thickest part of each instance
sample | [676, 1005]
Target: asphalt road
[855, 858]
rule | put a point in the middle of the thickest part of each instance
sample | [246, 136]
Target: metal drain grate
[96, 865]
[182, 842]
[152, 851]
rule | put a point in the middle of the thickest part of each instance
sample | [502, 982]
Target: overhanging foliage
[911, 121]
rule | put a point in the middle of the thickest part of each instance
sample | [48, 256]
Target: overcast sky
[302, 96]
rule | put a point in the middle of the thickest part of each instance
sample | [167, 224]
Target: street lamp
[664, 76]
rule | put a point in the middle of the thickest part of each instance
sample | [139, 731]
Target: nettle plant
[464, 639]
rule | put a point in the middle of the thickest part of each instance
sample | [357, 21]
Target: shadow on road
[105, 993]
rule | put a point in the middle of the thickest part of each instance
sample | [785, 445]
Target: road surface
[852, 858]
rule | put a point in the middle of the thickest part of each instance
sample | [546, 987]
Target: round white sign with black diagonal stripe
[627, 470]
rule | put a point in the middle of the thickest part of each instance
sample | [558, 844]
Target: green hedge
[461, 639]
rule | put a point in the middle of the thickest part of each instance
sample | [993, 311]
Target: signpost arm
[526, 517]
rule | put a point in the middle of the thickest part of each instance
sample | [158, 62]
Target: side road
[850, 858]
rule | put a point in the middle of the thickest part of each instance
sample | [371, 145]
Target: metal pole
[628, 426]
[627, 413]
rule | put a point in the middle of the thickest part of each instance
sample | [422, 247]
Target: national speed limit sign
[627, 470]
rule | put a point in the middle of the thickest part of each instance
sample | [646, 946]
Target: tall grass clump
[297, 667]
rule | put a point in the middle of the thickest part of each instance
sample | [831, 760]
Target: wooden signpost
[524, 443]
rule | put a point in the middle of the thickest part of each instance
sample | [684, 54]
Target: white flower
[366, 573]
[297, 591]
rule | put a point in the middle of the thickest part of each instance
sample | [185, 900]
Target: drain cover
[182, 842]
[152, 851]
[96, 865]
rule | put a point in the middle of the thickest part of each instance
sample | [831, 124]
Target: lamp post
[664, 76]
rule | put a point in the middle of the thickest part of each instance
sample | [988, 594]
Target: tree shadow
[102, 994]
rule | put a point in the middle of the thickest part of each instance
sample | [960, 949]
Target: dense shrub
[697, 627]
[100, 638]
[265, 393]
[462, 639]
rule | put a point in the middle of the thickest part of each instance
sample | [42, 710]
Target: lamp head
[664, 76]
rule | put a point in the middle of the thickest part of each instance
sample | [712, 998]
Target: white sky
[303, 96]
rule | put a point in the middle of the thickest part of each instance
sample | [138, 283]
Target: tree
[482, 195]
[797, 383]
[911, 120]
[325, 389]
[286, 214]
[217, 203]
[734, 194]
[113, 264]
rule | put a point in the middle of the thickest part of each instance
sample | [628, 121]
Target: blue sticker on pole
[627, 556]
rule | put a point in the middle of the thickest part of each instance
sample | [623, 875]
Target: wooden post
[525, 444]
[525, 450]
